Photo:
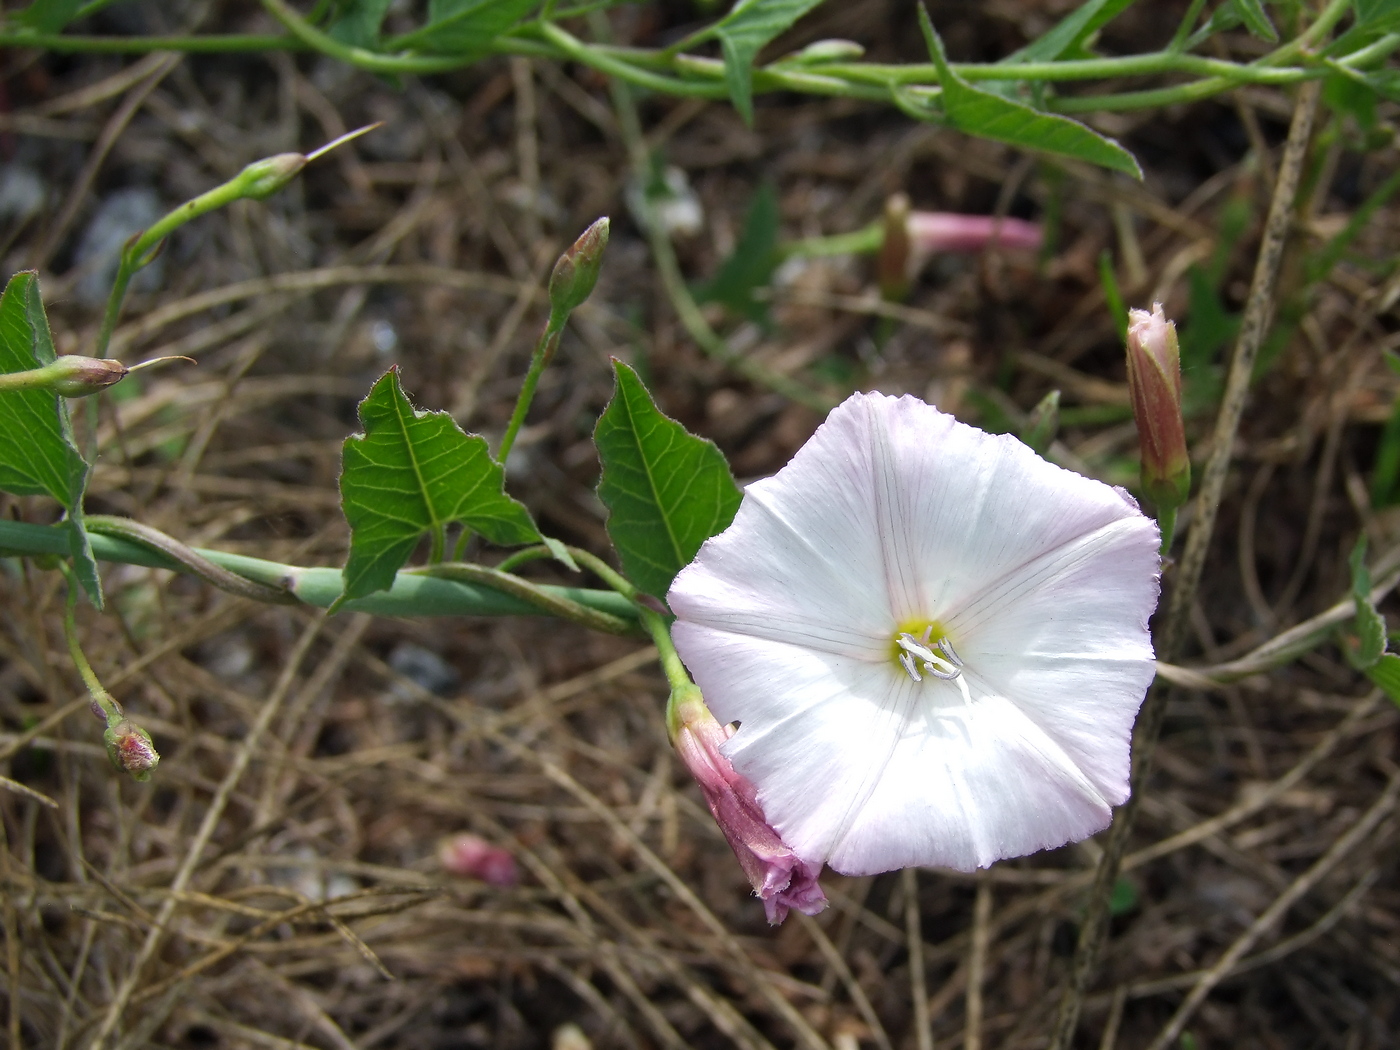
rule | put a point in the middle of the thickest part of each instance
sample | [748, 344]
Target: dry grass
[276, 884]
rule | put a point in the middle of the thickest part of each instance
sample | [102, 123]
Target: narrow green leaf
[752, 262]
[1385, 673]
[49, 16]
[1113, 295]
[743, 33]
[1256, 19]
[993, 117]
[1369, 624]
[666, 490]
[357, 22]
[1070, 32]
[38, 453]
[411, 472]
[465, 27]
[1376, 13]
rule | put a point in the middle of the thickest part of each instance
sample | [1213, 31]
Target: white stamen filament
[943, 664]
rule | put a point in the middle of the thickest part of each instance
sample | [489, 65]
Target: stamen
[946, 647]
[939, 660]
[907, 662]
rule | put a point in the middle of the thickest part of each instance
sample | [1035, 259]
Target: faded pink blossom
[939, 231]
[780, 879]
[473, 857]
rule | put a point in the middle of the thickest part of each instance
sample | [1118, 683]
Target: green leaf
[1385, 673]
[1376, 14]
[752, 262]
[49, 16]
[1123, 898]
[357, 22]
[1255, 19]
[411, 472]
[993, 117]
[1113, 295]
[464, 27]
[1370, 624]
[38, 453]
[1070, 33]
[666, 490]
[743, 33]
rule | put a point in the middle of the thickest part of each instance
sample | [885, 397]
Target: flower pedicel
[933, 642]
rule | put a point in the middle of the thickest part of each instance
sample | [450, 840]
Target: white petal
[803, 561]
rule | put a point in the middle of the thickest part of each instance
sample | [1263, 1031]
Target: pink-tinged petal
[939, 231]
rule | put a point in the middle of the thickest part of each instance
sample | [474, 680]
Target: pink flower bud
[937, 231]
[130, 749]
[473, 857]
[75, 376]
[1154, 381]
[576, 272]
[892, 264]
[779, 877]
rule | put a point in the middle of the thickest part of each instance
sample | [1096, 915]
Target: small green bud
[131, 750]
[262, 178]
[1154, 383]
[74, 376]
[892, 264]
[1043, 423]
[819, 52]
[576, 272]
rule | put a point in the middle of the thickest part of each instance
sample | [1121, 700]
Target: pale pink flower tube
[941, 231]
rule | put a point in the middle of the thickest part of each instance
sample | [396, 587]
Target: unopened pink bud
[131, 750]
[75, 376]
[1154, 382]
[892, 264]
[780, 878]
[576, 272]
[939, 231]
[473, 857]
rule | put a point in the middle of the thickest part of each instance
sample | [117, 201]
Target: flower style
[934, 642]
[779, 878]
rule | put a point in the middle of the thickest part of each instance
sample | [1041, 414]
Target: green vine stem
[413, 593]
[1172, 633]
[552, 602]
[672, 71]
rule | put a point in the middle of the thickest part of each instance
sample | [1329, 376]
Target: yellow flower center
[921, 647]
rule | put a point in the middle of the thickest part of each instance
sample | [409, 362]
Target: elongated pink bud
[939, 231]
[778, 876]
[475, 858]
[1154, 381]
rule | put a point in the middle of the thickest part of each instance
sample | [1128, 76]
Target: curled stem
[553, 603]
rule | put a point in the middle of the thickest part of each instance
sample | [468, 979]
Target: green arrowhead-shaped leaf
[49, 16]
[1069, 33]
[1369, 623]
[742, 34]
[411, 472]
[1001, 119]
[752, 262]
[666, 490]
[1256, 19]
[357, 22]
[38, 454]
[464, 27]
[1386, 673]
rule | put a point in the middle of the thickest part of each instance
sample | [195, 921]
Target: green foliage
[49, 16]
[357, 22]
[1385, 673]
[1123, 898]
[751, 264]
[1386, 471]
[1255, 19]
[413, 472]
[666, 490]
[1381, 15]
[1113, 295]
[742, 34]
[38, 453]
[991, 116]
[465, 27]
[1319, 265]
[1069, 36]
[1370, 625]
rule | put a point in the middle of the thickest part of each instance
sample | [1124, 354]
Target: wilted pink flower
[939, 231]
[1154, 381]
[934, 642]
[779, 878]
[475, 858]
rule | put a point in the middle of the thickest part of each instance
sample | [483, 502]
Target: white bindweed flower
[934, 642]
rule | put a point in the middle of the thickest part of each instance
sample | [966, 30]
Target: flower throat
[924, 648]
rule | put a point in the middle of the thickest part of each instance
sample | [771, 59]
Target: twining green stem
[549, 601]
[676, 675]
[111, 710]
[1170, 636]
[411, 595]
[864, 241]
[539, 360]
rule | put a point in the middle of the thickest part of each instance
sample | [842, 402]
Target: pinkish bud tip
[1154, 384]
[473, 857]
[76, 376]
[938, 231]
[780, 878]
[131, 750]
